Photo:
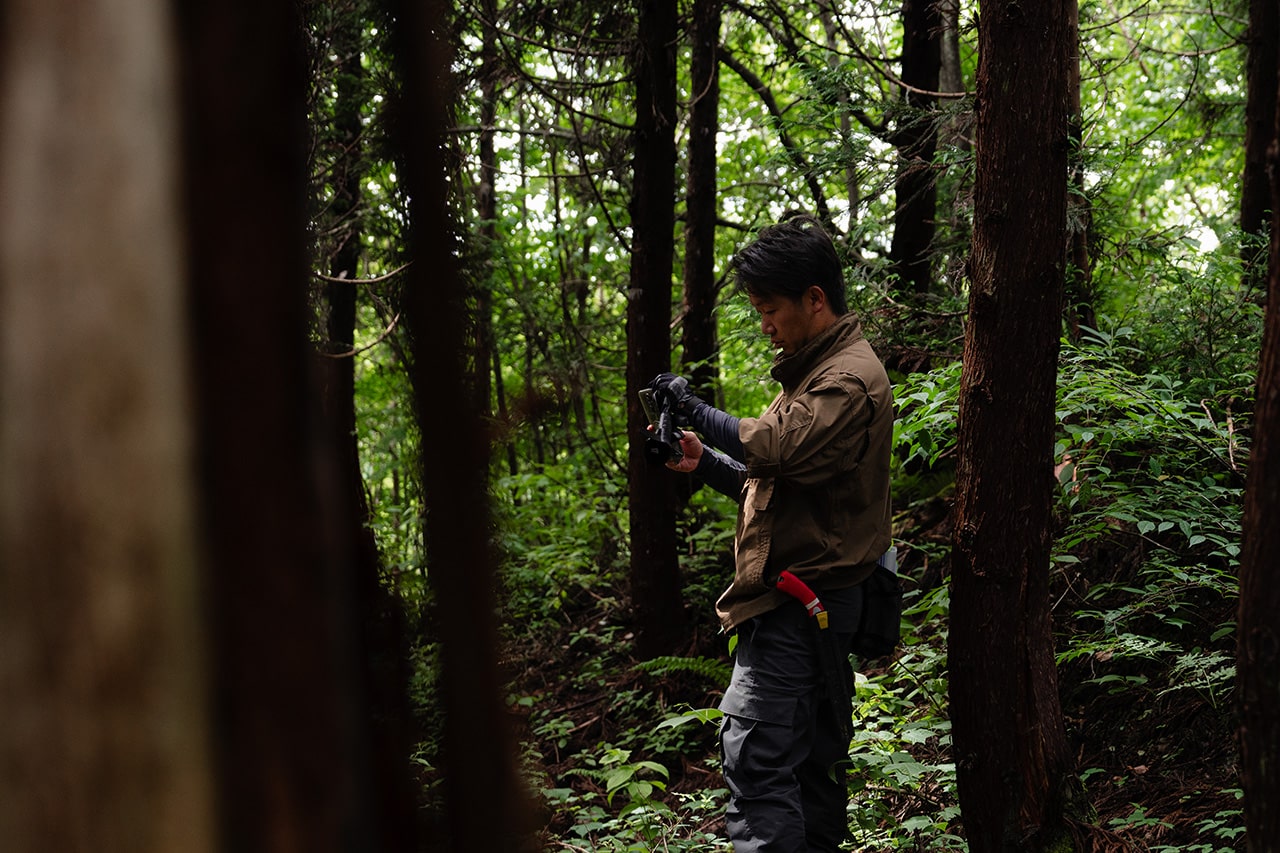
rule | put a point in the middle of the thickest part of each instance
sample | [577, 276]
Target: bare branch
[342, 279]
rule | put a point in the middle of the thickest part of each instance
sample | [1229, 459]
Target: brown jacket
[816, 499]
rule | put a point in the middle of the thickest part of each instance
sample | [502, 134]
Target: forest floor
[1158, 768]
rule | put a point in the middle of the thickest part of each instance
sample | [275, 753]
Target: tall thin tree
[1258, 649]
[1262, 46]
[485, 806]
[1079, 296]
[342, 139]
[488, 358]
[487, 203]
[654, 572]
[1012, 763]
[698, 328]
[290, 742]
[916, 138]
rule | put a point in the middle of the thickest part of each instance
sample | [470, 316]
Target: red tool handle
[800, 591]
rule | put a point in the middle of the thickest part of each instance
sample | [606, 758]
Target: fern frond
[708, 668]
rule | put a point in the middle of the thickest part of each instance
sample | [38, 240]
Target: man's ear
[816, 298]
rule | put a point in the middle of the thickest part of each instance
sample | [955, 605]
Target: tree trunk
[1258, 652]
[1079, 285]
[488, 356]
[950, 68]
[486, 805]
[487, 206]
[383, 654]
[655, 573]
[699, 345]
[1011, 752]
[916, 138]
[1262, 48]
[956, 133]
[105, 742]
[285, 679]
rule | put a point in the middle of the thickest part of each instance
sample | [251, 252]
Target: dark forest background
[324, 522]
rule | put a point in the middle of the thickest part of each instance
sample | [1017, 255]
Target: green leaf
[700, 715]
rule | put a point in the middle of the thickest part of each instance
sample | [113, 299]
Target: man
[812, 478]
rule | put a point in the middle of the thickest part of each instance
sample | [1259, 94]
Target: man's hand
[692, 448]
[674, 390]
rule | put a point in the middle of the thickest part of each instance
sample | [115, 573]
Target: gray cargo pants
[784, 758]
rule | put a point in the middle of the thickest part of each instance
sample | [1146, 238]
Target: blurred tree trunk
[488, 366]
[699, 345]
[105, 742]
[950, 68]
[382, 652]
[1258, 652]
[1013, 765]
[955, 133]
[1261, 50]
[1079, 283]
[916, 138]
[655, 572]
[487, 207]
[290, 741]
[484, 797]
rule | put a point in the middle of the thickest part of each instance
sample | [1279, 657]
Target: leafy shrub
[903, 779]
[925, 430]
[642, 828]
[1151, 475]
[560, 533]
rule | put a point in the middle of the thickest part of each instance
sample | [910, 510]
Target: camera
[662, 444]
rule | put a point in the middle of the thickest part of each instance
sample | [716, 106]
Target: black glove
[720, 428]
[671, 390]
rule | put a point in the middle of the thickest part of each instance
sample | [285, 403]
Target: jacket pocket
[755, 533]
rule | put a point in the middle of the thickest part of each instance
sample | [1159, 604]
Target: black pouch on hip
[880, 628]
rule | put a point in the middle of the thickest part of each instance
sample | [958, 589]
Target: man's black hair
[786, 258]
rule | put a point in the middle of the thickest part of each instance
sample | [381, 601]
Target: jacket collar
[789, 370]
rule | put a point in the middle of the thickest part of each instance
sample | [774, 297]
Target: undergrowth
[623, 753]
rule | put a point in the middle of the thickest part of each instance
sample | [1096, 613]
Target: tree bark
[1079, 285]
[382, 654]
[485, 799]
[950, 68]
[1258, 651]
[699, 345]
[487, 206]
[285, 679]
[655, 572]
[916, 138]
[1261, 51]
[1012, 761]
[105, 742]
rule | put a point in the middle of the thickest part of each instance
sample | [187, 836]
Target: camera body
[662, 444]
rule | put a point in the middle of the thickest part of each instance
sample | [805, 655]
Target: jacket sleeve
[808, 439]
[722, 473]
[718, 428]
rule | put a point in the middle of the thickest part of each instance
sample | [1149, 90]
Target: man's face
[789, 323]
